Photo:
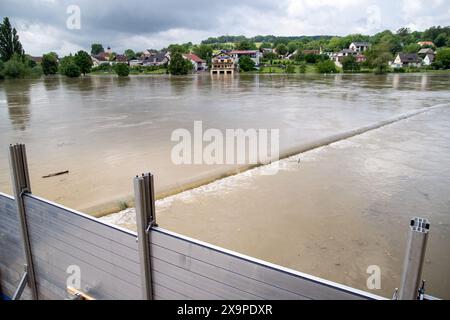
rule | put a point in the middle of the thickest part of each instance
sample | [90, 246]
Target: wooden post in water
[21, 185]
[145, 219]
[414, 258]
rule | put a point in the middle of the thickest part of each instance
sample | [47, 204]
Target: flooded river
[104, 130]
[331, 212]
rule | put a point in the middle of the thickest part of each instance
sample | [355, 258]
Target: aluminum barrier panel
[184, 268]
[67, 245]
[12, 258]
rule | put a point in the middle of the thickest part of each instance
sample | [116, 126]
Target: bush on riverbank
[327, 66]
[16, 68]
[122, 69]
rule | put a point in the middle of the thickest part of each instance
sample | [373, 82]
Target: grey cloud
[140, 23]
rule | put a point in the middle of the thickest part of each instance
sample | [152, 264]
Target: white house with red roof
[255, 55]
[198, 63]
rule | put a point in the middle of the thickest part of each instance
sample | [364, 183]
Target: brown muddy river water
[331, 212]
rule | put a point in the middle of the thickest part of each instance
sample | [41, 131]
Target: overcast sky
[141, 24]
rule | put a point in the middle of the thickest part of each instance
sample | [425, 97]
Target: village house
[423, 52]
[355, 49]
[407, 60]
[101, 58]
[197, 63]
[155, 59]
[121, 58]
[149, 52]
[223, 64]
[255, 55]
[429, 59]
[359, 46]
[266, 50]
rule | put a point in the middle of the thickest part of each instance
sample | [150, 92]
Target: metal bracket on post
[414, 258]
[21, 185]
[22, 284]
[145, 219]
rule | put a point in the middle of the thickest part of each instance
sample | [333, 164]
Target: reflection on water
[18, 101]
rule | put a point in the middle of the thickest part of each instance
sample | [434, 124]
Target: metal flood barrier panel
[107, 257]
[184, 268]
[66, 244]
[12, 260]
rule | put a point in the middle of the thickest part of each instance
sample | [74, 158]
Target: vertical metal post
[145, 219]
[21, 185]
[414, 258]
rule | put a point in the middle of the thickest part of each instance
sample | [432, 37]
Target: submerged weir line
[210, 177]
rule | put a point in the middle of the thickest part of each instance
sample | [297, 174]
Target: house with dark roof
[101, 58]
[121, 58]
[407, 60]
[359, 46]
[156, 59]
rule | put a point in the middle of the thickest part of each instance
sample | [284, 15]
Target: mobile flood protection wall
[51, 252]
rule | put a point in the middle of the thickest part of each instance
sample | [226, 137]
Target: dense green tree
[380, 64]
[443, 58]
[302, 67]
[349, 64]
[265, 45]
[49, 63]
[2, 65]
[122, 69]
[72, 70]
[314, 58]
[298, 57]
[9, 41]
[178, 48]
[204, 51]
[270, 56]
[282, 49]
[130, 54]
[16, 67]
[246, 63]
[68, 67]
[290, 68]
[178, 65]
[441, 40]
[96, 48]
[83, 61]
[326, 66]
[245, 45]
[293, 46]
[412, 48]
